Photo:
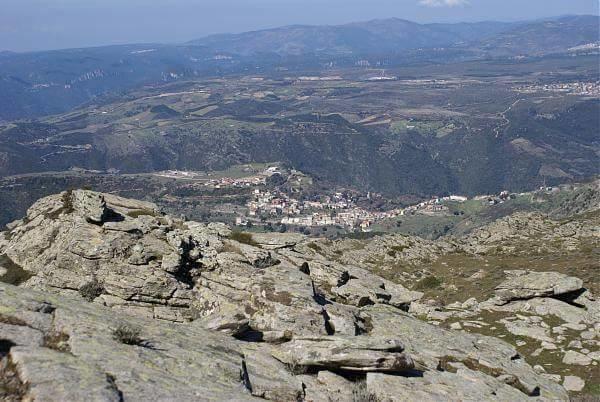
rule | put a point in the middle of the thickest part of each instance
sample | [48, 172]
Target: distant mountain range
[372, 37]
[42, 83]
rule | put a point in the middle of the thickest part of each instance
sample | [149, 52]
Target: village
[282, 206]
[580, 88]
[331, 210]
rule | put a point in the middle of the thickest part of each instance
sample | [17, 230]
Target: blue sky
[51, 24]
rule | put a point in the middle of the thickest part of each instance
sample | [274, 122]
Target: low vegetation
[429, 282]
[243, 237]
[129, 335]
[91, 290]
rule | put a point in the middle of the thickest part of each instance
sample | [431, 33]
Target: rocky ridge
[129, 303]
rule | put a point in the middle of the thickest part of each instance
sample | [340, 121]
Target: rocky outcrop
[522, 285]
[527, 232]
[76, 347]
[134, 304]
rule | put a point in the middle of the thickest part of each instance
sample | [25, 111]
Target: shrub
[91, 290]
[58, 341]
[242, 237]
[128, 335]
[429, 282]
[360, 393]
[140, 212]
[315, 247]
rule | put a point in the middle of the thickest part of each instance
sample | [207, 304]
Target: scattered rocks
[528, 329]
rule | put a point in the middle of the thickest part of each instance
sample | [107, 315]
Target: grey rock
[527, 285]
[273, 241]
[528, 329]
[191, 289]
[573, 357]
[431, 347]
[90, 205]
[177, 363]
[56, 376]
[327, 386]
[353, 354]
[573, 383]
[464, 385]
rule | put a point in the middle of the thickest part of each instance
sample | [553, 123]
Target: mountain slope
[373, 37]
[133, 304]
[42, 83]
[542, 37]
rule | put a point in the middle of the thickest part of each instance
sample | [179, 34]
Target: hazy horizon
[35, 25]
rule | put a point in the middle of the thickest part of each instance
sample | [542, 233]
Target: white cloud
[443, 3]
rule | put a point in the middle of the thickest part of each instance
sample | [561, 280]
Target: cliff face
[112, 300]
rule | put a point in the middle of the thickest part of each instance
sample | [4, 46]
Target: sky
[28, 25]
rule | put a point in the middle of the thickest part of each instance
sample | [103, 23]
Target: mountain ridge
[49, 82]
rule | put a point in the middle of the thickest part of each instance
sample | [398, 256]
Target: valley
[464, 128]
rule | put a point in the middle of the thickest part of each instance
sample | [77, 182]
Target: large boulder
[528, 284]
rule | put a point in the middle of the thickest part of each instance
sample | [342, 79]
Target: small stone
[470, 303]
[552, 377]
[576, 327]
[594, 355]
[573, 383]
[539, 369]
[521, 343]
[548, 346]
[455, 326]
[576, 344]
[573, 357]
[588, 335]
[535, 319]
[585, 351]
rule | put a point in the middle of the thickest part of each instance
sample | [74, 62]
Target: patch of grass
[91, 290]
[230, 248]
[10, 320]
[429, 282]
[57, 341]
[395, 250]
[11, 386]
[129, 335]
[67, 207]
[315, 247]
[360, 392]
[296, 369]
[140, 212]
[243, 237]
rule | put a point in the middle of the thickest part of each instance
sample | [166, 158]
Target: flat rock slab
[353, 354]
[174, 362]
[573, 383]
[464, 385]
[57, 376]
[272, 241]
[573, 357]
[526, 285]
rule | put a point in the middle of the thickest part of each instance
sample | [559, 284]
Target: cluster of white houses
[336, 210]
